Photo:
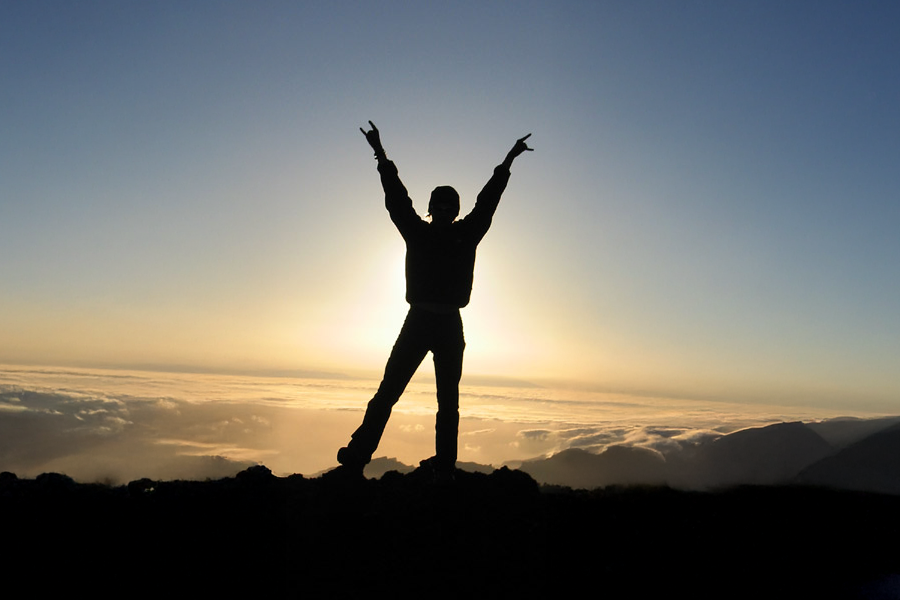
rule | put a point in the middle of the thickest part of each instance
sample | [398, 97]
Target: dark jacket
[440, 261]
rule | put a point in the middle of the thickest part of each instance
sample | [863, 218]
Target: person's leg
[406, 356]
[448, 346]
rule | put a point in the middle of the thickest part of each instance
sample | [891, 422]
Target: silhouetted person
[440, 260]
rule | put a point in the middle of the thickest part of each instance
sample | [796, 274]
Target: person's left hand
[520, 146]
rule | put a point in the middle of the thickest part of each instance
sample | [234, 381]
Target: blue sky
[710, 210]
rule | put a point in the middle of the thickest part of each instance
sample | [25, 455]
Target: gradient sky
[711, 208]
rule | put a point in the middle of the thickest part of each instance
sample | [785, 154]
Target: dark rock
[255, 474]
[55, 481]
[491, 534]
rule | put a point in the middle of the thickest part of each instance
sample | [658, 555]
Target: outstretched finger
[375, 128]
[522, 139]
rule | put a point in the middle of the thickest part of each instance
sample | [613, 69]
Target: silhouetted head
[443, 207]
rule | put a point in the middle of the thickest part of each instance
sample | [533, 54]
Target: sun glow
[358, 327]
[500, 336]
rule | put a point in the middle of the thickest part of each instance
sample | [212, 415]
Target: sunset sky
[711, 209]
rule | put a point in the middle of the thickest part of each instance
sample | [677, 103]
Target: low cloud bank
[856, 454]
[111, 439]
[101, 432]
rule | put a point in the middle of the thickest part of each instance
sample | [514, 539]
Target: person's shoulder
[465, 228]
[415, 227]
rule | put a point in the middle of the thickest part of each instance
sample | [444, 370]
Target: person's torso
[440, 263]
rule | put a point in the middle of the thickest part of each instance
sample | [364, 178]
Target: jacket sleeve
[396, 198]
[479, 220]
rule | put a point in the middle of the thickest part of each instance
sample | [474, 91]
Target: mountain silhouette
[617, 465]
[843, 431]
[769, 455]
[870, 464]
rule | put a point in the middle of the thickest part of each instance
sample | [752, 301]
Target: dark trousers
[422, 331]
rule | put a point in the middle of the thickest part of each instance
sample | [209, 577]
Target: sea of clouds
[117, 426]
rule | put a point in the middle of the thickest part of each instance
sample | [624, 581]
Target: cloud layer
[119, 426]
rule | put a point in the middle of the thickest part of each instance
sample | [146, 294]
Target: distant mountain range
[846, 453]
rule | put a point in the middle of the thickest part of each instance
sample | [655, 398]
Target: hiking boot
[441, 472]
[347, 457]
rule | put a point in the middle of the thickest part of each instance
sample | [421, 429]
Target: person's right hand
[373, 138]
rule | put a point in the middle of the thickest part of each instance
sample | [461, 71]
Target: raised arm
[396, 198]
[486, 204]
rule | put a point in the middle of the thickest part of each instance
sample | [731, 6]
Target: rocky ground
[484, 535]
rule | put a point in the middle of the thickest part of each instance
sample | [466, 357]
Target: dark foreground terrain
[485, 535]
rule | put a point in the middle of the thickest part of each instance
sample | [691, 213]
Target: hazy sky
[711, 208]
